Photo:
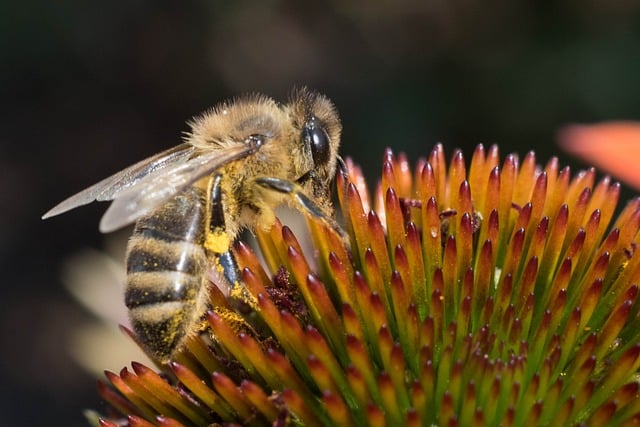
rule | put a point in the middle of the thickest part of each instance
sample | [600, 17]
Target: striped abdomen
[166, 265]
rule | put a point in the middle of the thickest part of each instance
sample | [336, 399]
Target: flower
[612, 146]
[497, 294]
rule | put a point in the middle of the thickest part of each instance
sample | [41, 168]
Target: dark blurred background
[89, 87]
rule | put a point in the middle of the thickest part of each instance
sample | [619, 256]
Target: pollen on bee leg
[217, 242]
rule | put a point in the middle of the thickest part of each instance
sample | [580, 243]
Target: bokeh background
[89, 87]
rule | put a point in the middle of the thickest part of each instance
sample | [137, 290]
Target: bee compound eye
[318, 140]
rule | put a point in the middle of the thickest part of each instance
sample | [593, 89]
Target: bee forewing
[109, 187]
[84, 197]
[151, 166]
[151, 192]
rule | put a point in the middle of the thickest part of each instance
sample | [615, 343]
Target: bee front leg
[297, 194]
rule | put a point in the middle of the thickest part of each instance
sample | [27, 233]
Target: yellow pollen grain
[217, 242]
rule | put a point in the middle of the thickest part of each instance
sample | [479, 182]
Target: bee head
[317, 126]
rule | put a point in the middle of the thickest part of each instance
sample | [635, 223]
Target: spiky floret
[498, 294]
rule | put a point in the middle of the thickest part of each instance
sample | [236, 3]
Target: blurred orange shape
[613, 147]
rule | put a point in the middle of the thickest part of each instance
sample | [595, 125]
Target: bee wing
[148, 194]
[109, 187]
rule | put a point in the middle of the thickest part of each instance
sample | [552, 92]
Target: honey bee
[240, 161]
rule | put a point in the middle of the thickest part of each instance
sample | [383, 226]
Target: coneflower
[493, 294]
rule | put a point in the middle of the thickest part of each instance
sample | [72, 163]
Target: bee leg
[296, 192]
[217, 240]
[230, 266]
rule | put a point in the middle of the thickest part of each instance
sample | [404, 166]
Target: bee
[241, 160]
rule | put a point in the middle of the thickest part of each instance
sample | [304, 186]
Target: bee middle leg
[217, 239]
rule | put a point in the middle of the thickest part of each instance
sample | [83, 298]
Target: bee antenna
[342, 166]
